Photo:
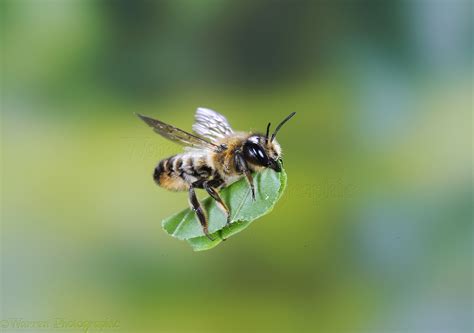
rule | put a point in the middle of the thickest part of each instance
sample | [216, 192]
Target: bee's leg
[199, 210]
[210, 186]
[242, 165]
[248, 176]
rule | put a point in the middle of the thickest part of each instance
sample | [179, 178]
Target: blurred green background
[374, 233]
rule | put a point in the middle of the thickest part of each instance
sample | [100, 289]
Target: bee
[215, 157]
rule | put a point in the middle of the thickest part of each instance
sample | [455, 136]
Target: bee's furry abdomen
[166, 177]
[157, 172]
[178, 172]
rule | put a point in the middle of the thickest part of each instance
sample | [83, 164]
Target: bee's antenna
[281, 124]
[268, 132]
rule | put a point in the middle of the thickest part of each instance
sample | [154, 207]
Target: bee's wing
[178, 135]
[211, 124]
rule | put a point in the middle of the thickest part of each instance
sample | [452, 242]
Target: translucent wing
[178, 135]
[211, 124]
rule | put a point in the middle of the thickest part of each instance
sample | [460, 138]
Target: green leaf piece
[269, 186]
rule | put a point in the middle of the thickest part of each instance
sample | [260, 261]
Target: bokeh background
[374, 233]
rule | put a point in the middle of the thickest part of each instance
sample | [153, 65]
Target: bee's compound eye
[255, 154]
[260, 154]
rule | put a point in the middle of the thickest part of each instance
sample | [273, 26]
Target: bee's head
[263, 150]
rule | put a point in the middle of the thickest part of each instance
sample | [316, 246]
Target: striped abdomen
[178, 172]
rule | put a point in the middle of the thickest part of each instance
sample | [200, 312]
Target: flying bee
[215, 157]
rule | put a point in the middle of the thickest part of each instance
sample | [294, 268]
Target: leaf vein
[181, 223]
[241, 204]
